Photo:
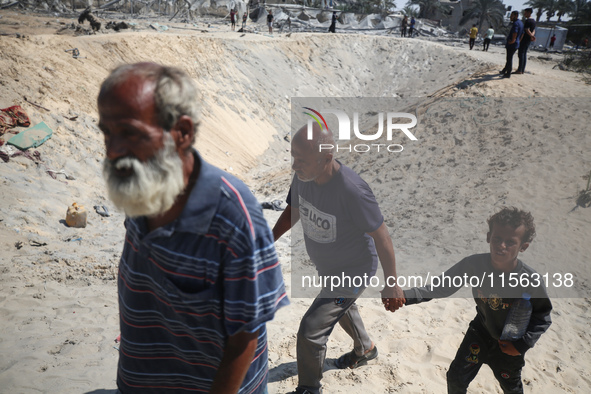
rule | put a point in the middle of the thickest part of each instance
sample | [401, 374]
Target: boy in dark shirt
[510, 232]
[528, 36]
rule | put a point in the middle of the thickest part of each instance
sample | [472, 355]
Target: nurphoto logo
[344, 130]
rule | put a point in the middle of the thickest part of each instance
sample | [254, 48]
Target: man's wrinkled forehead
[133, 90]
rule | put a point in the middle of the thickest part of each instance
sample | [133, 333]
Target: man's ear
[488, 237]
[183, 132]
[524, 246]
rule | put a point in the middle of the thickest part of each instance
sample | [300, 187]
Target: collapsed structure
[287, 16]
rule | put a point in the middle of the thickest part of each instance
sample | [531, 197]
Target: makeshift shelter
[387, 23]
[239, 6]
[370, 21]
[543, 35]
[348, 19]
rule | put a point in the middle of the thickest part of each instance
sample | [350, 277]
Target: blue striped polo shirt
[184, 288]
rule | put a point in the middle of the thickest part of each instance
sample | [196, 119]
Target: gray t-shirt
[336, 218]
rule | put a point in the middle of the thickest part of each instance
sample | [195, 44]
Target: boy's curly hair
[514, 217]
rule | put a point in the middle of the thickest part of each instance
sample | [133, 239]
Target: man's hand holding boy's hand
[393, 298]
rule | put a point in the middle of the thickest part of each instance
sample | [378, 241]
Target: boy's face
[505, 245]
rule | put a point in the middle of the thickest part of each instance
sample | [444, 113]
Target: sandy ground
[483, 142]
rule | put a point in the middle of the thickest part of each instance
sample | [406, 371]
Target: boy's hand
[508, 348]
[393, 298]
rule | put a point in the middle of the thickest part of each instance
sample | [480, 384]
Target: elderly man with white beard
[199, 276]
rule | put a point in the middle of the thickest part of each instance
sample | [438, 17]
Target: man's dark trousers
[522, 55]
[509, 65]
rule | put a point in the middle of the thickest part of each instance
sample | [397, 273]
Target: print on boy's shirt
[319, 226]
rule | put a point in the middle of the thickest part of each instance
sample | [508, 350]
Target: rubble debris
[116, 26]
[75, 52]
[102, 210]
[86, 15]
[35, 104]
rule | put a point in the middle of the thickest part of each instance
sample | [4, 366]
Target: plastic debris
[31, 137]
[76, 216]
[102, 210]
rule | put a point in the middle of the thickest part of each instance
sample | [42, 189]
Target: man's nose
[116, 147]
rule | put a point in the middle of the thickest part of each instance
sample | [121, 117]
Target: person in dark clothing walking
[333, 24]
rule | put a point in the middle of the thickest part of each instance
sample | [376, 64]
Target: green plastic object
[31, 137]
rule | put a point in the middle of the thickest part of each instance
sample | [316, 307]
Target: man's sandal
[351, 360]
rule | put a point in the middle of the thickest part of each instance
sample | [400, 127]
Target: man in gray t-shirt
[345, 234]
[337, 217]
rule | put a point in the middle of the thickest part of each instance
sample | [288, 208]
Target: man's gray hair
[175, 93]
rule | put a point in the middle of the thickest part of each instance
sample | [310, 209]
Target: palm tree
[550, 8]
[586, 12]
[428, 7]
[579, 6]
[564, 7]
[490, 11]
[410, 11]
[539, 6]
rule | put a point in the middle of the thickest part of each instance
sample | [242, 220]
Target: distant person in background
[333, 23]
[233, 19]
[512, 44]
[585, 42]
[552, 41]
[528, 36]
[473, 35]
[244, 18]
[270, 22]
[412, 26]
[403, 26]
[487, 37]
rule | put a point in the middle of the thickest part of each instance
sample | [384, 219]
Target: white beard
[154, 185]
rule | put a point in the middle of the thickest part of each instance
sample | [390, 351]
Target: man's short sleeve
[363, 207]
[514, 28]
[253, 282]
[292, 189]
